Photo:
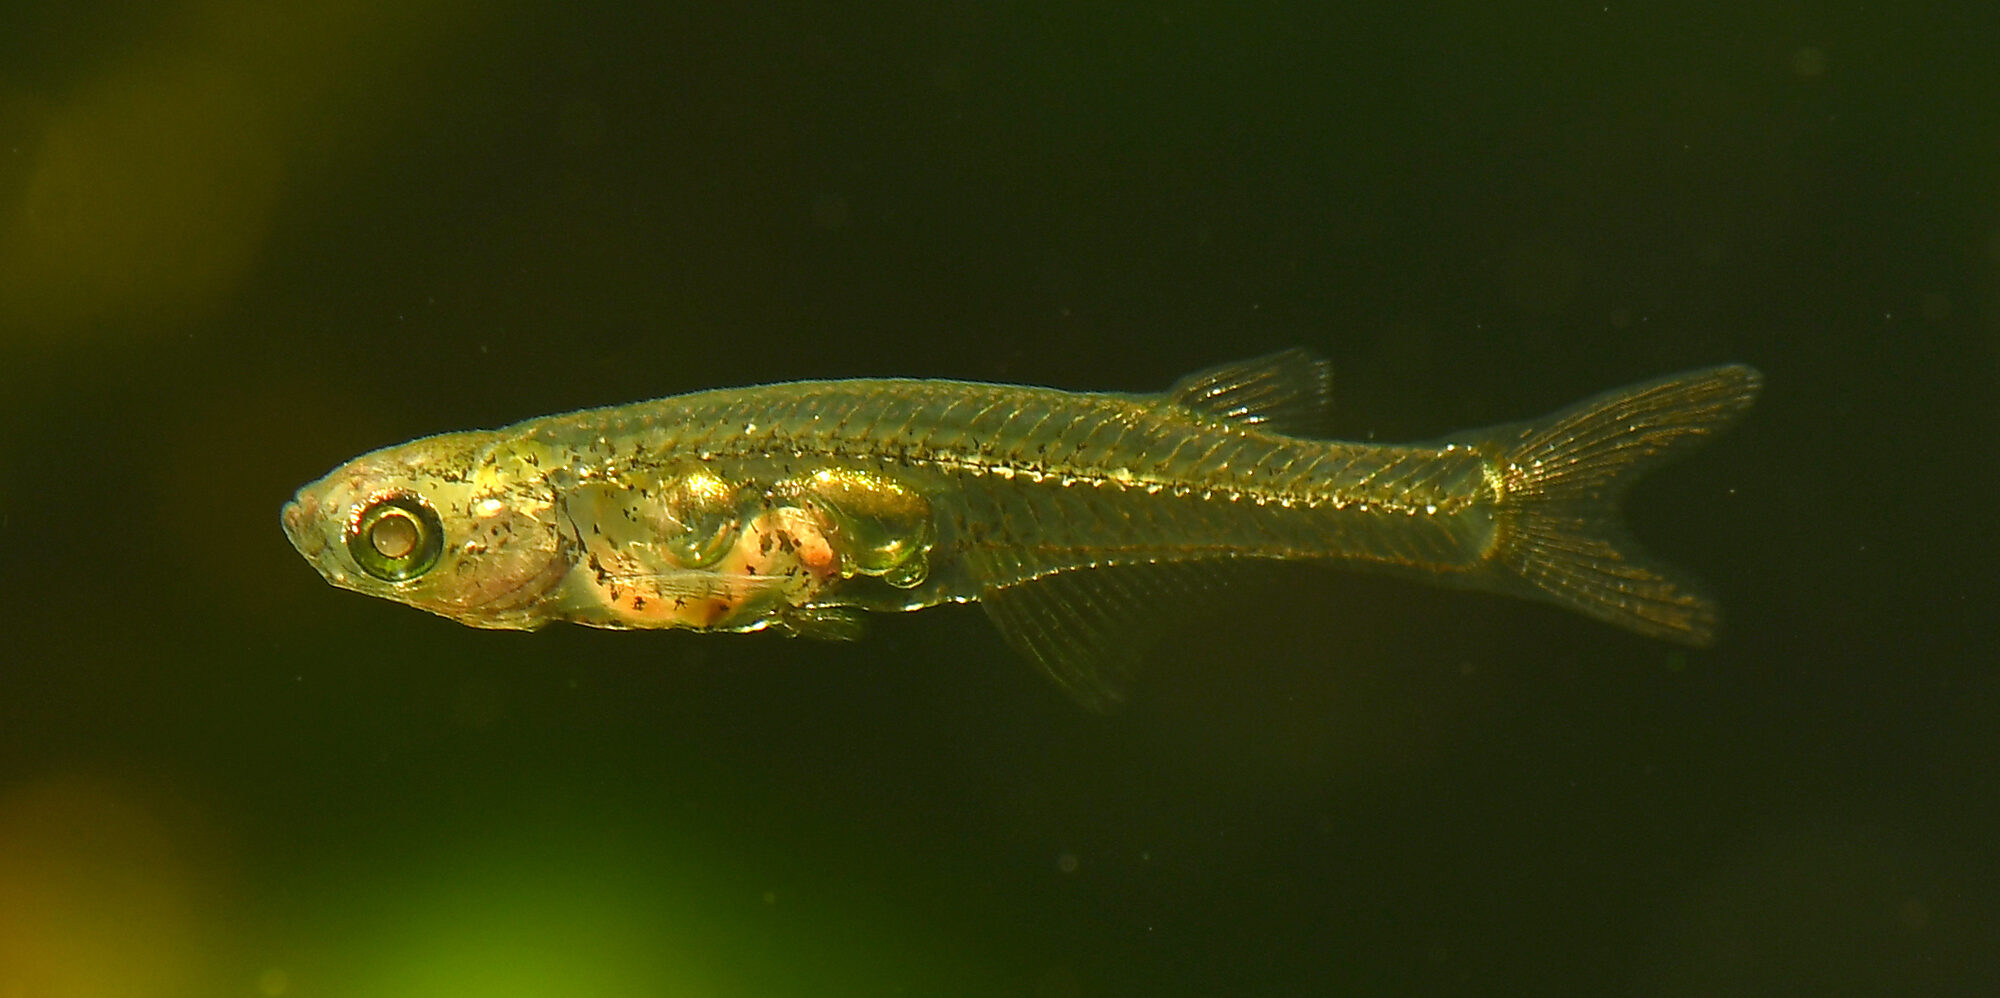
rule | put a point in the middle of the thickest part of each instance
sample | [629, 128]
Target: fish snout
[297, 517]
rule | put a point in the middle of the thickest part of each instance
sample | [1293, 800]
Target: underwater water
[242, 243]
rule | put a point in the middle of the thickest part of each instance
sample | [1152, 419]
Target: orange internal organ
[780, 556]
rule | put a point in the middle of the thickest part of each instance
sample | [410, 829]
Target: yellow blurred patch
[97, 894]
[146, 197]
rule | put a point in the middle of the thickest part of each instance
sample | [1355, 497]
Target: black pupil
[394, 535]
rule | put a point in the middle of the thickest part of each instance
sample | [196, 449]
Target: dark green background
[1333, 784]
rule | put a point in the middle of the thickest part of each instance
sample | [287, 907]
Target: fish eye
[396, 537]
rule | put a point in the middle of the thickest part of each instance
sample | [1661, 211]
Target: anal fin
[1091, 629]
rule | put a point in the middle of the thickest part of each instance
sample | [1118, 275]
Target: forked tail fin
[1559, 534]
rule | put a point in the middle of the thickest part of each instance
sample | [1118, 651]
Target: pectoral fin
[826, 623]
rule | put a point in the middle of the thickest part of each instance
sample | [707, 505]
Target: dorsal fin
[1289, 392]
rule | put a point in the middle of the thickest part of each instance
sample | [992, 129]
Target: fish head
[457, 524]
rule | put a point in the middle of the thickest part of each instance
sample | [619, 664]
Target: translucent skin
[791, 505]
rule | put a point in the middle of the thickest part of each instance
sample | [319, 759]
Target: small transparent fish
[1078, 521]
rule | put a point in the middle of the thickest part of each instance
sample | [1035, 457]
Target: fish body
[1075, 519]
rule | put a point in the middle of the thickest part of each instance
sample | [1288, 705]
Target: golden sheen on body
[1073, 518]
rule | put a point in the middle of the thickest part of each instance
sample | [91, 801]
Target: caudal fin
[1560, 537]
